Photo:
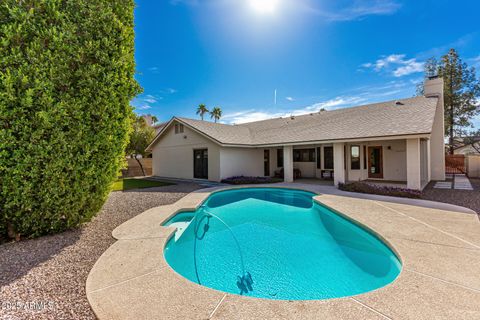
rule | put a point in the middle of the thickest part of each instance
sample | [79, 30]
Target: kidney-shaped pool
[277, 244]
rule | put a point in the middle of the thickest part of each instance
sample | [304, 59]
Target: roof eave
[325, 141]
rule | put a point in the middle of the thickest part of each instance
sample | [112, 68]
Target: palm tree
[201, 110]
[216, 113]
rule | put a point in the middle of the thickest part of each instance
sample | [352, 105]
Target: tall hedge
[66, 81]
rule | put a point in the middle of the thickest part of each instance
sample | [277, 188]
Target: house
[396, 141]
[467, 146]
[151, 121]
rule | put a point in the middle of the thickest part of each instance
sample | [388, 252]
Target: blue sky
[313, 54]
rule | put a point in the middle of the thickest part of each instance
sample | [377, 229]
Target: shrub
[362, 187]
[66, 81]
[250, 180]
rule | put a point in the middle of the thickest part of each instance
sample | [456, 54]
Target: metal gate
[455, 163]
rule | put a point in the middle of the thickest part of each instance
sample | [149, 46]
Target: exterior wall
[241, 161]
[308, 169]
[173, 155]
[473, 166]
[394, 160]
[273, 161]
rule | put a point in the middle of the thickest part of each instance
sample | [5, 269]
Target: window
[279, 158]
[319, 160]
[178, 128]
[304, 155]
[355, 157]
[328, 158]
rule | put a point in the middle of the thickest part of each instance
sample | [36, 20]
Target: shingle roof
[223, 133]
[392, 118]
[158, 127]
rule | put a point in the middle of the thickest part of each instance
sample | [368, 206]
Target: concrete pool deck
[439, 246]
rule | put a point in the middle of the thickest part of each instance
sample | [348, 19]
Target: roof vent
[399, 103]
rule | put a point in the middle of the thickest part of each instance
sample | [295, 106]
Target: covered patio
[399, 162]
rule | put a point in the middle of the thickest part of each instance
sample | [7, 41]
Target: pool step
[181, 227]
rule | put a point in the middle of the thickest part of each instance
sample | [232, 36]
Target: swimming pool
[278, 244]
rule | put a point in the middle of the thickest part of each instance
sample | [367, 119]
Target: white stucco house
[396, 141]
[467, 148]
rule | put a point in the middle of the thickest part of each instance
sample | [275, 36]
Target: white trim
[347, 140]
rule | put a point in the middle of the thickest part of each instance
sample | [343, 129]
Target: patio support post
[288, 163]
[413, 164]
[338, 163]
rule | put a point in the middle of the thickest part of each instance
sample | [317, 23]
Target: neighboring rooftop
[392, 118]
[461, 142]
[159, 126]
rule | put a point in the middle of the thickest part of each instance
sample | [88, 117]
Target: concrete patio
[439, 245]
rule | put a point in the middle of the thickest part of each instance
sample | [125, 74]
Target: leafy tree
[430, 70]
[461, 93]
[154, 119]
[140, 137]
[202, 110]
[216, 114]
[66, 81]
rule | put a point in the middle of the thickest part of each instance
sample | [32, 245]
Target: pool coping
[437, 248]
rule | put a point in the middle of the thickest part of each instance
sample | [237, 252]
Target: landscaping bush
[250, 180]
[66, 81]
[362, 187]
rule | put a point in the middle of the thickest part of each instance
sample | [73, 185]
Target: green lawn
[127, 184]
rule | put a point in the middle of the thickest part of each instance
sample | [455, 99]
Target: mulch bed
[49, 273]
[464, 198]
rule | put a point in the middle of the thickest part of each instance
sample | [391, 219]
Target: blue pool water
[278, 244]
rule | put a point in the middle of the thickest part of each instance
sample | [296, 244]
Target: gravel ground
[464, 198]
[52, 270]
